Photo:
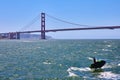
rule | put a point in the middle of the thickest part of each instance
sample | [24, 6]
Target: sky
[16, 14]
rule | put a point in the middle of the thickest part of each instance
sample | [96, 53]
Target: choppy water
[58, 59]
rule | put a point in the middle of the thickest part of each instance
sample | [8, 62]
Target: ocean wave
[81, 72]
[109, 75]
[79, 69]
[75, 71]
[47, 63]
[119, 64]
[107, 66]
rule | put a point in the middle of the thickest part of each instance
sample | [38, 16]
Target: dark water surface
[58, 59]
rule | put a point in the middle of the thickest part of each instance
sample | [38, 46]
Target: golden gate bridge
[16, 35]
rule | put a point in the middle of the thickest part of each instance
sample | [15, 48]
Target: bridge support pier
[43, 26]
[17, 35]
[14, 35]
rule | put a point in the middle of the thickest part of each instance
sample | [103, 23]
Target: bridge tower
[42, 25]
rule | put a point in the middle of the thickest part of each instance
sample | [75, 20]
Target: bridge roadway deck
[71, 29]
[68, 29]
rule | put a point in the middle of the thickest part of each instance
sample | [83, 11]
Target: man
[97, 64]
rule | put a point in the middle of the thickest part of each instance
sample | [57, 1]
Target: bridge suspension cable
[30, 23]
[64, 21]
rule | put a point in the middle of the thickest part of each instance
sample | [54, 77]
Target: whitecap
[75, 71]
[69, 70]
[80, 69]
[109, 75]
[90, 58]
[119, 64]
[105, 50]
[46, 63]
[109, 45]
[95, 52]
[107, 66]
[71, 74]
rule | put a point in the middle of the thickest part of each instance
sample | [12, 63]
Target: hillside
[33, 36]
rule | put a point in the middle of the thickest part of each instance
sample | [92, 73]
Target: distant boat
[97, 64]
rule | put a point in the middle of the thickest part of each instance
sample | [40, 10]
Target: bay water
[59, 59]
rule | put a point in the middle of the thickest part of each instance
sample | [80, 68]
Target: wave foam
[109, 75]
[80, 69]
[86, 73]
[75, 71]
[119, 64]
[47, 63]
[107, 66]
